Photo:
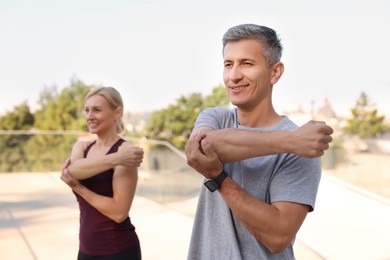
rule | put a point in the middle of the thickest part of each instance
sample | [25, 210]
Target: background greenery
[60, 113]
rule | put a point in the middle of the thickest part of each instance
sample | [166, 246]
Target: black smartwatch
[214, 184]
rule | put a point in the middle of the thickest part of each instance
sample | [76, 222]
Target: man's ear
[277, 72]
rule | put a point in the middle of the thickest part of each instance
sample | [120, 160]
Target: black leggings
[131, 254]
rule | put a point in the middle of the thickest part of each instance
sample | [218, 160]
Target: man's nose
[235, 74]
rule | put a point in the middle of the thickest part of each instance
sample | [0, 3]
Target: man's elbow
[278, 243]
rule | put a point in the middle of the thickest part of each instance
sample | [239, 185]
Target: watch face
[210, 184]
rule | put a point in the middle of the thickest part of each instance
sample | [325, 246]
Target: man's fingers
[195, 142]
[329, 130]
[206, 147]
[197, 137]
[193, 148]
[326, 130]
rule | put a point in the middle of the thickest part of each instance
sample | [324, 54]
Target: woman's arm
[124, 185]
[82, 168]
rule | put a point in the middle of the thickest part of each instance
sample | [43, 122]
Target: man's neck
[258, 119]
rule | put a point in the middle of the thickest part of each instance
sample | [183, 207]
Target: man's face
[246, 76]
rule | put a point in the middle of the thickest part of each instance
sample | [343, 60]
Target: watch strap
[214, 184]
[220, 178]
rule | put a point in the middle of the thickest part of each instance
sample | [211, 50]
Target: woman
[103, 176]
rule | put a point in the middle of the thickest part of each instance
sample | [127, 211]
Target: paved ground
[39, 221]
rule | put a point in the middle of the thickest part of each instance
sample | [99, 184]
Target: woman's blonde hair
[113, 98]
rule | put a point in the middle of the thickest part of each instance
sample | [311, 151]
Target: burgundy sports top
[100, 235]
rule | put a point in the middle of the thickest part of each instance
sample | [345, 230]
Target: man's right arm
[231, 144]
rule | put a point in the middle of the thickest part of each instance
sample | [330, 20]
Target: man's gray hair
[272, 47]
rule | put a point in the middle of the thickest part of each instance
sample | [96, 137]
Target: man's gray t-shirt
[218, 234]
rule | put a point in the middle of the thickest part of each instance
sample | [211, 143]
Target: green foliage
[62, 111]
[58, 111]
[12, 152]
[21, 118]
[218, 97]
[365, 121]
[174, 123]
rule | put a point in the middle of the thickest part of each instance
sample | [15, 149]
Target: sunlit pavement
[348, 223]
[39, 221]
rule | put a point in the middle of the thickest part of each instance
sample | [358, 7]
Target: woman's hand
[66, 177]
[129, 156]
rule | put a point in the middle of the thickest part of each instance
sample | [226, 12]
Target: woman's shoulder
[83, 144]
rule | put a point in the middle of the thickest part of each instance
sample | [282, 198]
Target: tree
[19, 119]
[218, 97]
[365, 121]
[174, 123]
[59, 111]
[12, 147]
[62, 111]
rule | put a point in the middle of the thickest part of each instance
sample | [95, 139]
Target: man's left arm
[274, 225]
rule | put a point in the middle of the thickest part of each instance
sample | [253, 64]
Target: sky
[155, 51]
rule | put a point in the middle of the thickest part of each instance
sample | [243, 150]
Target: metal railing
[164, 173]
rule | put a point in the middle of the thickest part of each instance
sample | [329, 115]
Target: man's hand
[312, 139]
[129, 156]
[202, 157]
[66, 177]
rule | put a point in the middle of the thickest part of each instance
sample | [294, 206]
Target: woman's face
[100, 116]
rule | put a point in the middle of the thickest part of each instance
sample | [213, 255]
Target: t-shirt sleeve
[213, 117]
[296, 180]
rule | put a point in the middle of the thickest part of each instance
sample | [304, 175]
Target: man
[262, 174]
